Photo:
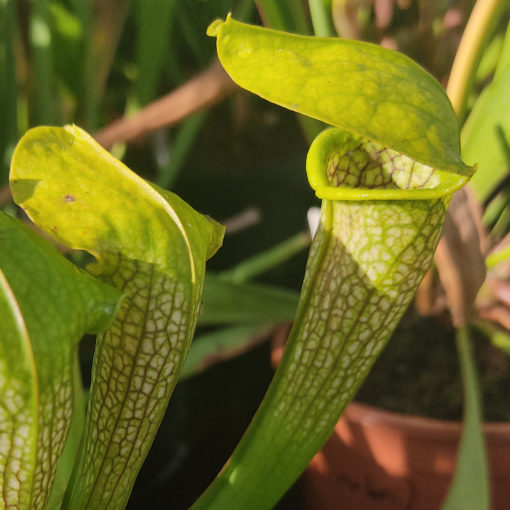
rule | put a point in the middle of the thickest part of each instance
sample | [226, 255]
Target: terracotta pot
[379, 460]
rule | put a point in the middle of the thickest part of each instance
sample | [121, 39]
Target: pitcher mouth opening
[344, 166]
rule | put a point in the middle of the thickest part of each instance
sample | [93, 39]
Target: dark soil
[418, 373]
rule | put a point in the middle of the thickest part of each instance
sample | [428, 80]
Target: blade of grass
[221, 345]
[496, 257]
[284, 15]
[262, 262]
[504, 56]
[502, 224]
[186, 135]
[192, 36]
[470, 487]
[244, 10]
[109, 19]
[153, 24]
[83, 10]
[320, 11]
[204, 89]
[40, 40]
[8, 91]
[489, 60]
[493, 210]
[486, 137]
[172, 70]
[228, 302]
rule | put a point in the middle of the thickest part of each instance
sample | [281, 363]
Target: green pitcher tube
[385, 174]
[372, 248]
[152, 246]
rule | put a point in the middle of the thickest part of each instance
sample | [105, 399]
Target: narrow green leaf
[53, 304]
[489, 60]
[153, 23]
[244, 9]
[221, 344]
[41, 43]
[8, 86]
[496, 257]
[268, 259]
[150, 244]
[109, 22]
[470, 486]
[187, 22]
[284, 15]
[322, 17]
[86, 70]
[229, 302]
[182, 146]
[70, 58]
[486, 136]
[504, 56]
[371, 91]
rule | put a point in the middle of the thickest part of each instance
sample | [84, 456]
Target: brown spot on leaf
[69, 198]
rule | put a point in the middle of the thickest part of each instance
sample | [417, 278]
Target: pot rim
[372, 415]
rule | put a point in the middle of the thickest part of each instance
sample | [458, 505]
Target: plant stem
[40, 38]
[472, 402]
[320, 11]
[83, 10]
[478, 29]
[8, 88]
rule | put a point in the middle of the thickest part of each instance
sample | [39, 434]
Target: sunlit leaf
[386, 174]
[486, 136]
[47, 305]
[152, 246]
[365, 89]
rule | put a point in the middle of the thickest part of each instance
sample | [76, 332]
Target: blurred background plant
[144, 78]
